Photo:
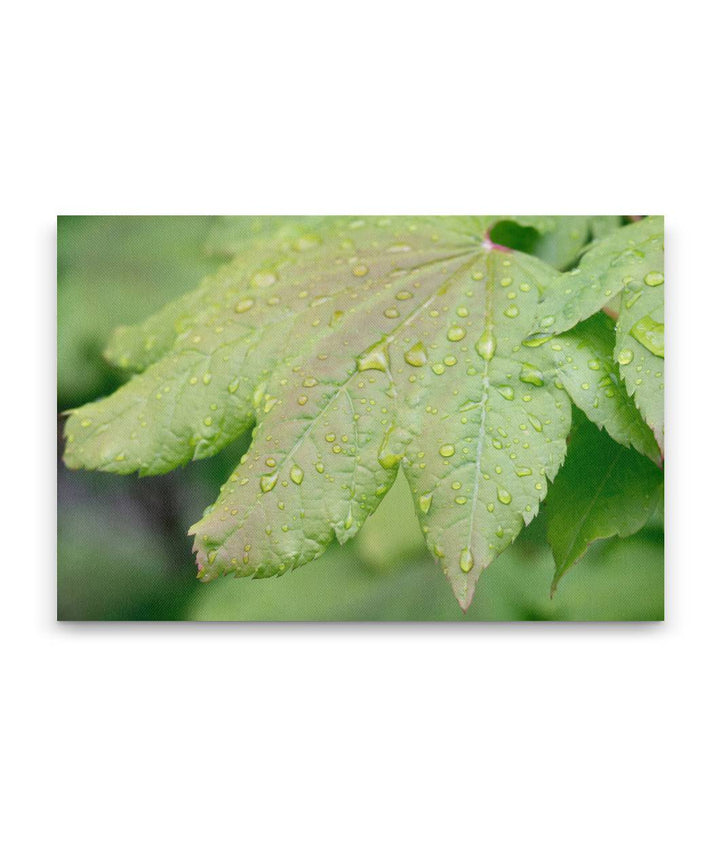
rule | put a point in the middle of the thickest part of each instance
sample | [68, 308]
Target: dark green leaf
[603, 490]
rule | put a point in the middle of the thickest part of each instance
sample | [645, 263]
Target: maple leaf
[353, 347]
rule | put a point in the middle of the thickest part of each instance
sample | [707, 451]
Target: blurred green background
[123, 551]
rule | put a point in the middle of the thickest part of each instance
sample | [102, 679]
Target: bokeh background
[123, 549]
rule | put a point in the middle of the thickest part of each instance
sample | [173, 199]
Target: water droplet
[207, 421]
[650, 334]
[504, 496]
[268, 482]
[547, 321]
[535, 422]
[416, 356]
[536, 339]
[531, 374]
[456, 333]
[625, 357]
[466, 561]
[296, 474]
[438, 368]
[309, 382]
[391, 312]
[462, 312]
[264, 279]
[388, 460]
[244, 305]
[233, 385]
[306, 242]
[523, 471]
[207, 377]
[320, 467]
[403, 295]
[486, 344]
[633, 299]
[447, 451]
[507, 392]
[594, 365]
[360, 270]
[654, 278]
[425, 501]
[375, 358]
[512, 311]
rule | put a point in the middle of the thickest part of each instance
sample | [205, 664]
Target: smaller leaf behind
[640, 341]
[589, 373]
[625, 255]
[602, 490]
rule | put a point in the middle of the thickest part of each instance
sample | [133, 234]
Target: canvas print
[361, 418]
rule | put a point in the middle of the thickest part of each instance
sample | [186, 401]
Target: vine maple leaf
[354, 347]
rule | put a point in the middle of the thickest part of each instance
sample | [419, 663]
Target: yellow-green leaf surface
[353, 346]
[602, 490]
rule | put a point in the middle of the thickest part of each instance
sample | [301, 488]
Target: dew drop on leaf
[504, 496]
[268, 482]
[416, 356]
[466, 560]
[531, 374]
[536, 339]
[486, 344]
[650, 334]
[376, 358]
[264, 279]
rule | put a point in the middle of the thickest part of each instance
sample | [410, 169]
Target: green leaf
[602, 490]
[588, 371]
[640, 340]
[620, 260]
[353, 346]
[561, 238]
[557, 240]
